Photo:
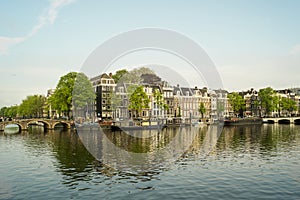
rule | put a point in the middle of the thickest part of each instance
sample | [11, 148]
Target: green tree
[237, 102]
[288, 104]
[119, 74]
[202, 109]
[268, 101]
[159, 99]
[3, 111]
[133, 76]
[83, 94]
[61, 100]
[32, 106]
[179, 111]
[138, 99]
[12, 111]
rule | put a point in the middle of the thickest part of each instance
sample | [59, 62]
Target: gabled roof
[104, 75]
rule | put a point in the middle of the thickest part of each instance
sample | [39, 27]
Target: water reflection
[75, 162]
[264, 140]
[263, 158]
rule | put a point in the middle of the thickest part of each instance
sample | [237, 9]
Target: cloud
[295, 50]
[7, 42]
[48, 17]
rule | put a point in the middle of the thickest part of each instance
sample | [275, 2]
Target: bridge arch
[297, 121]
[16, 123]
[284, 121]
[46, 124]
[64, 125]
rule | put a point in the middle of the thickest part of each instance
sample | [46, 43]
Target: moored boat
[243, 121]
[131, 125]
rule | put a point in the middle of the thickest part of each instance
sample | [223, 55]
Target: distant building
[104, 86]
[113, 100]
[252, 103]
[120, 105]
[187, 101]
[220, 107]
[168, 95]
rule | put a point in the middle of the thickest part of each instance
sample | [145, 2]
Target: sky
[253, 44]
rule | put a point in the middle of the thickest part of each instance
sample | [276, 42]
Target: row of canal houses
[253, 109]
[182, 102]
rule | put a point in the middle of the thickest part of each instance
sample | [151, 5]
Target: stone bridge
[48, 123]
[282, 120]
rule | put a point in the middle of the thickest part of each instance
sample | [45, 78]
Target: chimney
[110, 75]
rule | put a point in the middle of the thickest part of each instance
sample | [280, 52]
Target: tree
[3, 111]
[202, 109]
[83, 94]
[159, 99]
[61, 100]
[288, 105]
[133, 76]
[11, 111]
[138, 99]
[116, 102]
[32, 106]
[119, 74]
[237, 102]
[267, 100]
[179, 111]
[221, 107]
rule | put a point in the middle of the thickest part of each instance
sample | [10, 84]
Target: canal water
[246, 162]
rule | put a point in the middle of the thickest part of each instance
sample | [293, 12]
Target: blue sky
[252, 43]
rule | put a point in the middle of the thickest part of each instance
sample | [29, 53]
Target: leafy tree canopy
[83, 92]
[159, 99]
[202, 109]
[72, 88]
[119, 74]
[61, 100]
[267, 99]
[237, 102]
[138, 99]
[133, 76]
[32, 106]
[11, 111]
[287, 104]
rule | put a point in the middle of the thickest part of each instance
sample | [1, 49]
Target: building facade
[104, 87]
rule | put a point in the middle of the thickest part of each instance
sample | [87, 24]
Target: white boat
[198, 124]
[11, 129]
